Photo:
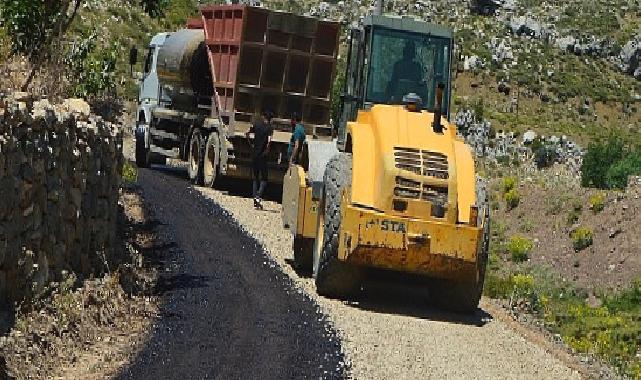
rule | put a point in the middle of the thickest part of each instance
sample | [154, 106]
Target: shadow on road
[180, 281]
[174, 171]
[413, 301]
[231, 186]
[243, 188]
[300, 272]
[401, 294]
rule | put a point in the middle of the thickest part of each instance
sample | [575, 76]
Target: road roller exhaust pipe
[436, 125]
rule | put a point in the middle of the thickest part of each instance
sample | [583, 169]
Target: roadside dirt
[391, 333]
[612, 262]
[91, 331]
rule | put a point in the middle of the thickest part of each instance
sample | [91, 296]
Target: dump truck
[203, 86]
[398, 191]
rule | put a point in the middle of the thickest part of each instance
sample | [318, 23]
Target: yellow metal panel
[293, 187]
[414, 245]
[376, 133]
[309, 214]
[364, 164]
[466, 181]
[300, 211]
[300, 227]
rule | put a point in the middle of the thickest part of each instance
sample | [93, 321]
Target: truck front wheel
[142, 153]
[196, 158]
[334, 278]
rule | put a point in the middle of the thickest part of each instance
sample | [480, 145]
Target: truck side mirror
[133, 56]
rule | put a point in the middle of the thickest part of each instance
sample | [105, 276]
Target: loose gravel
[389, 334]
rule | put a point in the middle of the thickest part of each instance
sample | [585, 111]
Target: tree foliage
[155, 8]
[93, 69]
[337, 90]
[32, 25]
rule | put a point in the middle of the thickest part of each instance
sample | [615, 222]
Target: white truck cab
[149, 90]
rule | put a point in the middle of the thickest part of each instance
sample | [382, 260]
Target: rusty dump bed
[263, 59]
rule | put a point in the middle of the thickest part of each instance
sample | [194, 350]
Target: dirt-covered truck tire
[304, 255]
[334, 278]
[211, 160]
[464, 296]
[196, 158]
[142, 153]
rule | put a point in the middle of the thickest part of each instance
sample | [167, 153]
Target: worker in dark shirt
[406, 75]
[295, 146]
[263, 132]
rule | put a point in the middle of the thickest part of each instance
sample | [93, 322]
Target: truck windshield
[403, 62]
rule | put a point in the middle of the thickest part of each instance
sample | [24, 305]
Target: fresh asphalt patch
[228, 311]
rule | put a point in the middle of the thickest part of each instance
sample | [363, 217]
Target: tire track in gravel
[228, 312]
[389, 333]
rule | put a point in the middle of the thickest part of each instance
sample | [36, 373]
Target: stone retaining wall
[60, 171]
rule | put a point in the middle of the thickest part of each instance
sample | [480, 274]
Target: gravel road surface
[392, 334]
[229, 312]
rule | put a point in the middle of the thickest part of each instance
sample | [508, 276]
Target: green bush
[129, 173]
[617, 175]
[597, 202]
[524, 290]
[497, 286]
[519, 248]
[581, 238]
[512, 199]
[508, 184]
[544, 155]
[608, 165]
[598, 159]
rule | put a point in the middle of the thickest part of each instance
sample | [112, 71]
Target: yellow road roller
[397, 190]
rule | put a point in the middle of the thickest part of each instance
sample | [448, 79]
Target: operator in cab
[406, 76]
[263, 132]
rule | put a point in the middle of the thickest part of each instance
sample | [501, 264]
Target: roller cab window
[405, 62]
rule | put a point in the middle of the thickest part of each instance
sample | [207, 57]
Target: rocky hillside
[558, 67]
[569, 67]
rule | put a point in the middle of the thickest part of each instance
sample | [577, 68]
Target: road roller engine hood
[417, 170]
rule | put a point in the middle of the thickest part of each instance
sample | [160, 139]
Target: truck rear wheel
[334, 278]
[142, 153]
[211, 160]
[196, 158]
[464, 296]
[303, 254]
